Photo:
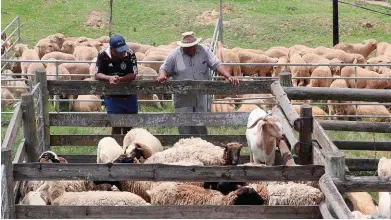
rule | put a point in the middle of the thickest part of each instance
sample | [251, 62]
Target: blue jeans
[127, 105]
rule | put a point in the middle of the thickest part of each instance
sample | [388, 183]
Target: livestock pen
[318, 157]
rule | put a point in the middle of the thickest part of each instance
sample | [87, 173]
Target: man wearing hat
[118, 64]
[191, 61]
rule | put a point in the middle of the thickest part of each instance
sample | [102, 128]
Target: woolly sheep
[85, 53]
[315, 111]
[256, 51]
[262, 134]
[154, 57]
[109, 151]
[276, 52]
[294, 194]
[321, 71]
[349, 71]
[314, 58]
[15, 91]
[6, 94]
[373, 110]
[364, 49]
[140, 56]
[181, 194]
[140, 142]
[51, 70]
[19, 49]
[218, 107]
[384, 169]
[362, 202]
[228, 56]
[87, 106]
[136, 47]
[57, 38]
[278, 69]
[92, 43]
[382, 48]
[337, 109]
[35, 67]
[28, 54]
[58, 56]
[249, 57]
[33, 198]
[68, 47]
[345, 57]
[300, 49]
[44, 46]
[77, 68]
[298, 71]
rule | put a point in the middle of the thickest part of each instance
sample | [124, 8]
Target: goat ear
[223, 145]
[139, 147]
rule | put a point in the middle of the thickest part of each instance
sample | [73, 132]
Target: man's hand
[114, 80]
[233, 80]
[161, 78]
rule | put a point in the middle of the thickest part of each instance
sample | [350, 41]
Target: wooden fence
[318, 155]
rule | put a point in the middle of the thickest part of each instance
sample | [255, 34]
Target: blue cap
[118, 43]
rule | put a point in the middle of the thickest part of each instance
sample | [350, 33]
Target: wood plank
[322, 138]
[317, 155]
[30, 128]
[335, 164]
[13, 128]
[163, 172]
[333, 197]
[19, 155]
[361, 164]
[168, 212]
[286, 154]
[151, 119]
[359, 126]
[41, 78]
[324, 210]
[364, 184]
[348, 94]
[305, 134]
[363, 145]
[290, 134]
[284, 103]
[6, 160]
[77, 87]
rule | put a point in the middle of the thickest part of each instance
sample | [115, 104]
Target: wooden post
[335, 164]
[286, 79]
[6, 159]
[335, 23]
[305, 135]
[30, 128]
[41, 78]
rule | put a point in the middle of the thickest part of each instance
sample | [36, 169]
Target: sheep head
[231, 153]
[245, 195]
[125, 159]
[50, 157]
[139, 151]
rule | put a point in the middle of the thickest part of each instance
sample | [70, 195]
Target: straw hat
[189, 39]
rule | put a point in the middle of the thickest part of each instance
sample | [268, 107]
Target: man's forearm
[223, 71]
[102, 77]
[128, 77]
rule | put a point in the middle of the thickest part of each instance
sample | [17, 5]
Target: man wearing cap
[115, 65]
[191, 61]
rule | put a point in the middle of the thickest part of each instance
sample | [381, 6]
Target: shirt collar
[197, 50]
[108, 52]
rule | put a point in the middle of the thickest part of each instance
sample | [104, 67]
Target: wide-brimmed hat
[189, 39]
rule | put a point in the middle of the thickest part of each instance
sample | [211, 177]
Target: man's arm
[101, 69]
[166, 69]
[215, 64]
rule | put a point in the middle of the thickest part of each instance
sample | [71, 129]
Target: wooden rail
[169, 212]
[163, 172]
[364, 183]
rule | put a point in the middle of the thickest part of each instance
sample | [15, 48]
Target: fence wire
[38, 105]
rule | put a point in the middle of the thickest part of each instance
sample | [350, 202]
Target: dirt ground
[95, 19]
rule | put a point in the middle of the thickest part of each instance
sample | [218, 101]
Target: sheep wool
[99, 198]
[144, 139]
[294, 194]
[384, 167]
[108, 150]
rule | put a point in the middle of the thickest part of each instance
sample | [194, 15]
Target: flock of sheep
[140, 146]
[59, 47]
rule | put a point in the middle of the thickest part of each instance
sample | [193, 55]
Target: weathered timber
[323, 140]
[19, 155]
[163, 172]
[361, 164]
[317, 155]
[6, 160]
[360, 126]
[324, 210]
[285, 104]
[286, 154]
[173, 212]
[42, 79]
[288, 130]
[140, 87]
[348, 94]
[170, 139]
[286, 79]
[334, 198]
[30, 128]
[335, 164]
[13, 128]
[305, 134]
[364, 184]
[151, 119]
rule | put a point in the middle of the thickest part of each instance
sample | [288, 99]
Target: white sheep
[183, 194]
[384, 169]
[140, 142]
[263, 132]
[6, 94]
[33, 198]
[109, 151]
[364, 49]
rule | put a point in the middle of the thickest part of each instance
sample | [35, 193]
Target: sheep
[19, 49]
[85, 53]
[28, 54]
[142, 72]
[385, 73]
[278, 69]
[181, 194]
[376, 60]
[201, 150]
[6, 94]
[51, 69]
[322, 50]
[103, 39]
[57, 39]
[154, 57]
[77, 68]
[68, 47]
[315, 111]
[384, 169]
[247, 107]
[362, 202]
[373, 110]
[16, 92]
[109, 151]
[228, 56]
[300, 49]
[87, 106]
[314, 59]
[35, 67]
[101, 198]
[338, 109]
[34, 198]
[58, 56]
[217, 107]
[249, 57]
[345, 57]
[140, 142]
[349, 71]
[136, 47]
[298, 71]
[263, 133]
[140, 56]
[294, 194]
[261, 99]
[256, 51]
[336, 70]
[93, 69]
[321, 71]
[276, 52]
[363, 49]
[92, 43]
[382, 48]
[44, 46]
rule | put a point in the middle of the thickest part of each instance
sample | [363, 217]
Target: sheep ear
[140, 147]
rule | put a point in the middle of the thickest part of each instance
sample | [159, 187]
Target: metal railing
[16, 30]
